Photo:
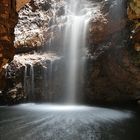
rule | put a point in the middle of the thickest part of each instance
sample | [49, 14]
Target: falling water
[29, 81]
[50, 79]
[78, 14]
[32, 79]
[71, 31]
[25, 79]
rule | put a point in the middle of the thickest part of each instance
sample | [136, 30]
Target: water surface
[58, 122]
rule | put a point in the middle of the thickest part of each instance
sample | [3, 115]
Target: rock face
[8, 20]
[112, 77]
[112, 70]
[21, 3]
[35, 23]
[110, 19]
[33, 77]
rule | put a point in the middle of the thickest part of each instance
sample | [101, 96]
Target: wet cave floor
[69, 122]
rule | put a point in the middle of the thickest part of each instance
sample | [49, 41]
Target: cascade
[50, 79]
[29, 83]
[66, 38]
[67, 34]
[32, 80]
[78, 14]
[25, 78]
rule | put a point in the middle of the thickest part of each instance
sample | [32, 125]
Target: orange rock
[8, 20]
[133, 10]
[21, 3]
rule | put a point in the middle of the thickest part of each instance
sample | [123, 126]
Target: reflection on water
[58, 122]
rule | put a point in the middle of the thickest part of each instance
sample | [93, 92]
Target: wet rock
[110, 19]
[112, 77]
[46, 5]
[61, 11]
[33, 77]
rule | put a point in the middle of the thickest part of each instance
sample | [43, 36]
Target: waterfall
[78, 15]
[32, 80]
[25, 79]
[50, 79]
[29, 83]
[68, 35]
[45, 91]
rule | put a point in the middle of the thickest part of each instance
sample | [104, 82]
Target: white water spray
[78, 14]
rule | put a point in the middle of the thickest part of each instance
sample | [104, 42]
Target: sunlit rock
[31, 78]
[21, 3]
[34, 20]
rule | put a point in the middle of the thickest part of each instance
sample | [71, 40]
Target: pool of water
[58, 122]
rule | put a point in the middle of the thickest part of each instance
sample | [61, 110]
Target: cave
[69, 69]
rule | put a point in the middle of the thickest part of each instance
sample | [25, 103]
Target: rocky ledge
[31, 77]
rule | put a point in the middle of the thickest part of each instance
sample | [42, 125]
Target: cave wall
[114, 75]
[8, 20]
